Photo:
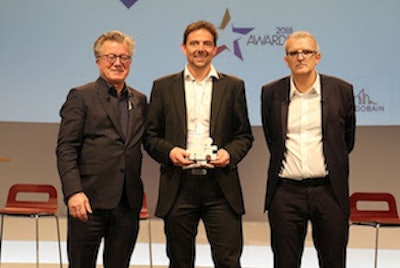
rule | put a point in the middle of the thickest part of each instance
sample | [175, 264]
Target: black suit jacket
[167, 128]
[93, 154]
[338, 130]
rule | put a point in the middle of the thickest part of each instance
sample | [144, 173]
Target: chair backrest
[144, 212]
[19, 198]
[370, 214]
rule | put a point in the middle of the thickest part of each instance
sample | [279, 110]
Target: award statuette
[201, 151]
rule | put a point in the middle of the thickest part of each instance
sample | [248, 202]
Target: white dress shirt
[198, 106]
[304, 156]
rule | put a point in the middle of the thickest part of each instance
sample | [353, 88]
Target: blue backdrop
[46, 47]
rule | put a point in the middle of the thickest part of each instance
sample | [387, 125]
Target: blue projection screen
[46, 47]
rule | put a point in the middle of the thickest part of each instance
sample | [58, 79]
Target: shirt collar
[113, 92]
[111, 89]
[212, 74]
[315, 88]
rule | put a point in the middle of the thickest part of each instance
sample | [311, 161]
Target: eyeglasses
[111, 58]
[305, 53]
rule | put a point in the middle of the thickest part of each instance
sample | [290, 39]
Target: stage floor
[18, 249]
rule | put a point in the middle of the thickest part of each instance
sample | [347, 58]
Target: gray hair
[116, 36]
[300, 35]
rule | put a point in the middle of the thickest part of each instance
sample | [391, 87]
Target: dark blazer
[93, 154]
[338, 130]
[167, 128]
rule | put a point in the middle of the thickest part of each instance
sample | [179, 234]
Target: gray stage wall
[31, 149]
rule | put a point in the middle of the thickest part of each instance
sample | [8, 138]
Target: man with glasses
[99, 158]
[309, 125]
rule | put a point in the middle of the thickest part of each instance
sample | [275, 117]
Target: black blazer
[167, 128]
[93, 155]
[338, 130]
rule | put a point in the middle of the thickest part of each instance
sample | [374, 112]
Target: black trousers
[200, 198]
[292, 207]
[118, 227]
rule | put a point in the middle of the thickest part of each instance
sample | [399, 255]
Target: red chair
[374, 217]
[19, 204]
[145, 216]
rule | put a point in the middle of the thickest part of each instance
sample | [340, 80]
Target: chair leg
[37, 240]
[376, 244]
[59, 240]
[1, 234]
[150, 244]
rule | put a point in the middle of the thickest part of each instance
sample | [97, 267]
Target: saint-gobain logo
[235, 42]
[364, 103]
[128, 3]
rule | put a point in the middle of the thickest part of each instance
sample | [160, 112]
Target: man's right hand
[180, 157]
[79, 206]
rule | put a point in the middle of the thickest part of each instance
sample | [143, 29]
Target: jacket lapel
[218, 92]
[285, 99]
[179, 99]
[325, 105]
[133, 103]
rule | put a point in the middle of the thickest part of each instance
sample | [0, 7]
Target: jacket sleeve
[242, 137]
[154, 138]
[70, 139]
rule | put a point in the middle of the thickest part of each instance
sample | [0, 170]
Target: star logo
[129, 3]
[237, 30]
